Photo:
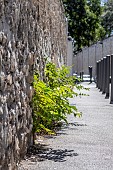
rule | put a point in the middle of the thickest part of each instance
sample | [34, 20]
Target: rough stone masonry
[30, 31]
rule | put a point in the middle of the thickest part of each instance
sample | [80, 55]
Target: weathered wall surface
[89, 56]
[30, 31]
[70, 54]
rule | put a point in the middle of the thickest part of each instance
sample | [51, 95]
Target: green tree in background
[107, 18]
[84, 21]
[76, 14]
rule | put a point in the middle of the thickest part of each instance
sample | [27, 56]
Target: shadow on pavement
[41, 152]
[70, 125]
[77, 124]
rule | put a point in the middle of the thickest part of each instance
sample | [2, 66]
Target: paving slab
[85, 144]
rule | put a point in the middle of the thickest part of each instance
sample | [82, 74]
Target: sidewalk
[86, 144]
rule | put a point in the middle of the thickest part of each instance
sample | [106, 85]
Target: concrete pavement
[85, 144]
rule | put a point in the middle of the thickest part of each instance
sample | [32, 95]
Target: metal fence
[99, 57]
[104, 79]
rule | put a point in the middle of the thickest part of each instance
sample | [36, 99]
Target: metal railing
[104, 76]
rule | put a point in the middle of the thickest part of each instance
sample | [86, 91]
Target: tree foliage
[50, 101]
[84, 21]
[107, 17]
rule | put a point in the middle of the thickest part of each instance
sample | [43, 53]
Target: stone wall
[30, 31]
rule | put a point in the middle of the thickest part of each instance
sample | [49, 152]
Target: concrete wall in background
[89, 56]
[30, 31]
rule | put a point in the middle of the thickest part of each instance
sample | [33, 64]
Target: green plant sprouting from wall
[50, 101]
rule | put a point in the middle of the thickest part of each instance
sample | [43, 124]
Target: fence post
[97, 74]
[99, 77]
[111, 100]
[104, 76]
[90, 73]
[107, 76]
[101, 74]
